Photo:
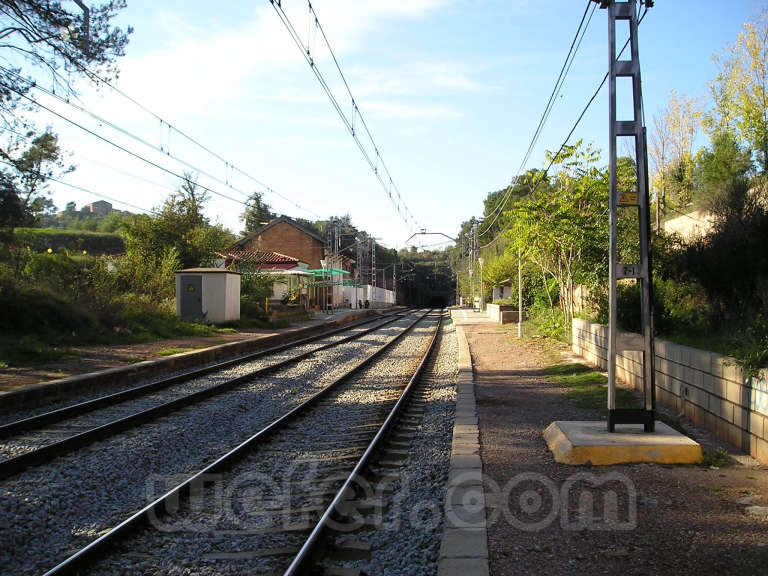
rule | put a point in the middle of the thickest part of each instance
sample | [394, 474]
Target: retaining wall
[708, 387]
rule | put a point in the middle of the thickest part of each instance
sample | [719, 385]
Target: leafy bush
[679, 308]
[148, 274]
[36, 311]
[56, 272]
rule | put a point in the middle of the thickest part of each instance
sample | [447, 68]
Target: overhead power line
[570, 133]
[374, 159]
[147, 143]
[569, 58]
[122, 148]
[86, 190]
[228, 165]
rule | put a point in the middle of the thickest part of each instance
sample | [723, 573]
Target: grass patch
[587, 388]
[178, 350]
[717, 458]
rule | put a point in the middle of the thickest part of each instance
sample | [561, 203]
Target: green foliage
[48, 36]
[731, 263]
[24, 186]
[752, 347]
[42, 309]
[257, 213]
[717, 458]
[740, 90]
[179, 225]
[41, 239]
[719, 168]
[151, 275]
[563, 229]
[72, 219]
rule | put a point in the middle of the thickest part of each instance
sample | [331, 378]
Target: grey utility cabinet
[210, 295]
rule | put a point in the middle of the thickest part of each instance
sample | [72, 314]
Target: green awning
[320, 272]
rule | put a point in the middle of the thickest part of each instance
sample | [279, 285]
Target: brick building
[285, 236]
[98, 208]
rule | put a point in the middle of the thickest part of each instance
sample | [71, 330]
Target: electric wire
[86, 190]
[98, 79]
[389, 185]
[122, 148]
[127, 133]
[568, 137]
[569, 59]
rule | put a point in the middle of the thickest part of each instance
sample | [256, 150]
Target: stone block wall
[707, 387]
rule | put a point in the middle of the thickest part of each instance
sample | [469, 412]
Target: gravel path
[682, 520]
[50, 511]
[238, 526]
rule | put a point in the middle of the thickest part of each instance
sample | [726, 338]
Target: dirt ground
[549, 518]
[84, 359]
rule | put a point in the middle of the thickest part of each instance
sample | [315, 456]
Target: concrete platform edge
[464, 546]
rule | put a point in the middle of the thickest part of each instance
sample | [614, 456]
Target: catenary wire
[568, 137]
[569, 59]
[86, 190]
[389, 184]
[122, 148]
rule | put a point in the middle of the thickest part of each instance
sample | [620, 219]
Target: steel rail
[156, 508]
[60, 414]
[48, 452]
[303, 561]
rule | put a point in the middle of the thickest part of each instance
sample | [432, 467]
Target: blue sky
[452, 91]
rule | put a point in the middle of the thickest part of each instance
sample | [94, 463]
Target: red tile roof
[268, 260]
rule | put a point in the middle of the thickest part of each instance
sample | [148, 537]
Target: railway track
[267, 506]
[41, 438]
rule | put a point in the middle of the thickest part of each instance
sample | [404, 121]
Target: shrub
[57, 273]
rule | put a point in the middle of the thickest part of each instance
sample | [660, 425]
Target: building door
[191, 298]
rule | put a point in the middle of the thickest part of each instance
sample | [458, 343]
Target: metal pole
[482, 286]
[519, 294]
[631, 201]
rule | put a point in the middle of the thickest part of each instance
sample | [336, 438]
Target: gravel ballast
[273, 485]
[50, 511]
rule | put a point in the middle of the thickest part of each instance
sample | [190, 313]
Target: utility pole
[358, 276]
[632, 203]
[482, 287]
[519, 293]
[373, 262]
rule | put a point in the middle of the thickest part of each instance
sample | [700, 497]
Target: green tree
[27, 181]
[719, 167]
[179, 225]
[40, 37]
[257, 213]
[557, 228]
[740, 90]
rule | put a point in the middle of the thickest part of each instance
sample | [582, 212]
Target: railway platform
[545, 517]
